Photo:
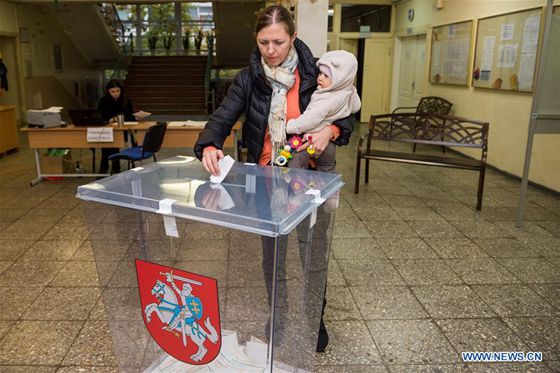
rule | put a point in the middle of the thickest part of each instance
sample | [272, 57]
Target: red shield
[181, 311]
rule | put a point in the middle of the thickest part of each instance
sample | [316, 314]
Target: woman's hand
[210, 158]
[211, 199]
[320, 140]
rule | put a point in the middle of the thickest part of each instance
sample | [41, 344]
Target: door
[412, 70]
[8, 55]
[377, 77]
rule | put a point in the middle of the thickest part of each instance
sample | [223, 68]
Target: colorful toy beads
[285, 154]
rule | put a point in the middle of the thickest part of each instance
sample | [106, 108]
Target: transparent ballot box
[204, 277]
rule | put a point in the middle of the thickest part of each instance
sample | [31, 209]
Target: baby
[335, 98]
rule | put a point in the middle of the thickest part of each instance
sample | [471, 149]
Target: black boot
[323, 340]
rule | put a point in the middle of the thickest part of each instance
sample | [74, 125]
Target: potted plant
[168, 40]
[153, 38]
[198, 40]
[186, 40]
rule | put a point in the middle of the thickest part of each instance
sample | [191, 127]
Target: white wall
[507, 112]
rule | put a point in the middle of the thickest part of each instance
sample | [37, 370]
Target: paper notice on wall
[507, 31]
[526, 71]
[531, 34]
[451, 31]
[531, 27]
[507, 55]
[487, 52]
[458, 58]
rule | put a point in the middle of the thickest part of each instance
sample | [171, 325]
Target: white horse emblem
[180, 311]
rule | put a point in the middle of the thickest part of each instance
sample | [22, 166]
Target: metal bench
[427, 129]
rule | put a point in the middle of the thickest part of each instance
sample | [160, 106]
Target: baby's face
[324, 81]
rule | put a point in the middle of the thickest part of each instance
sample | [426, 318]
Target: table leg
[38, 166]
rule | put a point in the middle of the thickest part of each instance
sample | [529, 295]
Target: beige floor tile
[50, 343]
[93, 346]
[68, 304]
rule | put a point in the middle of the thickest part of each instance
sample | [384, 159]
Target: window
[359, 18]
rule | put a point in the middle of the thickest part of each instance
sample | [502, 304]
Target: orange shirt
[292, 112]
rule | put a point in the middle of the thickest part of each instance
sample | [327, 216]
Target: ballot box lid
[265, 200]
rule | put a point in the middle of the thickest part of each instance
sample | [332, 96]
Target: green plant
[168, 40]
[198, 39]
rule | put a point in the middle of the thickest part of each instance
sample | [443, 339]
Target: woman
[112, 104]
[275, 87]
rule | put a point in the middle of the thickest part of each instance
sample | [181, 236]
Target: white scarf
[281, 78]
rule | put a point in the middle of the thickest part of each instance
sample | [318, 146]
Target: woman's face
[274, 43]
[115, 92]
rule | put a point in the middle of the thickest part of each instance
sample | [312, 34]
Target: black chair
[150, 146]
[430, 105]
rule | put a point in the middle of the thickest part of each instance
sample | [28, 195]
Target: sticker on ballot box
[181, 311]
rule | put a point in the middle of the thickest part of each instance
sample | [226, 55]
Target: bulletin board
[506, 51]
[450, 53]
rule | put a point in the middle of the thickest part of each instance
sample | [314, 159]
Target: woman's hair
[275, 14]
[114, 83]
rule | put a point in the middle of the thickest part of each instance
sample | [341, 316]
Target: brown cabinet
[8, 130]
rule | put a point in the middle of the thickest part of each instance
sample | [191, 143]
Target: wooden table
[76, 137]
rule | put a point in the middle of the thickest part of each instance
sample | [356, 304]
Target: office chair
[150, 146]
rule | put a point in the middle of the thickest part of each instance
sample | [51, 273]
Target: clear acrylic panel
[264, 240]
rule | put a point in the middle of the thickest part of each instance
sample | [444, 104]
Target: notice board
[506, 51]
[450, 53]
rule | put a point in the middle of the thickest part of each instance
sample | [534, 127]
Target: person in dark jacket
[112, 104]
[275, 87]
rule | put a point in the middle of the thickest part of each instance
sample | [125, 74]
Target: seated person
[112, 104]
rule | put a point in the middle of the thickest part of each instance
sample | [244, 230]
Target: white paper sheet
[225, 164]
[526, 71]
[507, 31]
[99, 134]
[187, 123]
[507, 53]
[487, 59]
[52, 109]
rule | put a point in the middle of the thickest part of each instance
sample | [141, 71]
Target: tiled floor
[417, 276]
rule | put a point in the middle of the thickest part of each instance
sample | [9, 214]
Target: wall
[8, 19]
[508, 113]
[38, 62]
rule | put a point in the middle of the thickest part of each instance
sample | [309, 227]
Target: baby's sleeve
[313, 116]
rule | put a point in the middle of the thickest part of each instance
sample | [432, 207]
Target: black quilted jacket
[250, 94]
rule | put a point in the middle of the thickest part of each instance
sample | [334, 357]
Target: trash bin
[57, 161]
[200, 277]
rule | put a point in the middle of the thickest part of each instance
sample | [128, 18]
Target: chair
[150, 146]
[430, 105]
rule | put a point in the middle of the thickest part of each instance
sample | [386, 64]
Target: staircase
[167, 85]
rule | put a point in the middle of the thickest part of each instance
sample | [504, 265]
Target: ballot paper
[224, 202]
[233, 358]
[225, 164]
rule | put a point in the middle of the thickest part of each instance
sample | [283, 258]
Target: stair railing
[208, 96]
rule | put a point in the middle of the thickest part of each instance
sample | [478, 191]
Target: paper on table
[141, 114]
[52, 109]
[225, 164]
[187, 123]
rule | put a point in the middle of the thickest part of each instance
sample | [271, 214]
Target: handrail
[209, 60]
[111, 14]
